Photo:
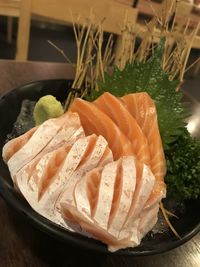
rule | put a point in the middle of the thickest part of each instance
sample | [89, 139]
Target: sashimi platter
[114, 159]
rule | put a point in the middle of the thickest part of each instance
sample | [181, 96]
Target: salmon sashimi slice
[132, 241]
[95, 121]
[12, 146]
[114, 108]
[103, 206]
[49, 167]
[123, 194]
[144, 184]
[30, 173]
[58, 171]
[140, 227]
[34, 183]
[106, 194]
[106, 158]
[103, 201]
[68, 133]
[143, 109]
[86, 193]
[64, 137]
[71, 214]
[90, 160]
[148, 219]
[66, 171]
[37, 142]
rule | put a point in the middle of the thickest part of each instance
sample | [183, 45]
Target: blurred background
[62, 35]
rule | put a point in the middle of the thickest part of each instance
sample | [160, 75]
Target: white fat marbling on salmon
[15, 144]
[35, 145]
[82, 202]
[140, 197]
[90, 163]
[41, 160]
[67, 134]
[70, 164]
[147, 221]
[72, 180]
[127, 189]
[46, 205]
[105, 194]
[30, 188]
[64, 191]
[81, 188]
[96, 221]
[49, 135]
[127, 242]
[106, 158]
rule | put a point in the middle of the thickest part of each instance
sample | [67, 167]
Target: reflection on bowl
[193, 125]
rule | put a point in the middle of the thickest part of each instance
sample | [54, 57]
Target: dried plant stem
[85, 37]
[60, 51]
[190, 40]
[168, 221]
[124, 52]
[171, 214]
[99, 68]
[192, 65]
[93, 60]
[108, 56]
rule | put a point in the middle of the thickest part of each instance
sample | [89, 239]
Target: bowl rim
[10, 195]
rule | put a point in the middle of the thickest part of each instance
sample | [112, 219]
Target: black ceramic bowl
[187, 225]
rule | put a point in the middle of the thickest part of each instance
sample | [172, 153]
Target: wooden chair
[183, 13]
[9, 8]
[113, 12]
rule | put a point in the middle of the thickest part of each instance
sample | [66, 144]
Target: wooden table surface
[22, 246]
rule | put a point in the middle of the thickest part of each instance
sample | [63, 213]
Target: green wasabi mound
[46, 108]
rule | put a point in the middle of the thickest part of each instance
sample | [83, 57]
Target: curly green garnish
[183, 168]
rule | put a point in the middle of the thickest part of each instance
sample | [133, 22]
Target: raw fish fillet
[143, 109]
[95, 121]
[114, 108]
[61, 155]
[23, 149]
[84, 155]
[11, 147]
[103, 200]
[90, 170]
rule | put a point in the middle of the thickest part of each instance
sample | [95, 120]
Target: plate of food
[158, 240]
[110, 167]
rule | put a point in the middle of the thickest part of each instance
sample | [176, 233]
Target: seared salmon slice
[147, 221]
[91, 159]
[95, 121]
[66, 129]
[57, 172]
[66, 171]
[71, 214]
[12, 146]
[63, 139]
[143, 109]
[36, 143]
[103, 202]
[114, 108]
[123, 194]
[144, 185]
[86, 193]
